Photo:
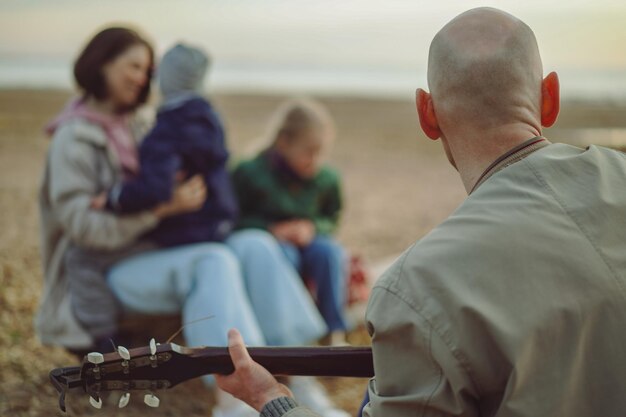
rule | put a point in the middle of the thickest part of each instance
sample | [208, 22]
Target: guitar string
[187, 324]
[175, 333]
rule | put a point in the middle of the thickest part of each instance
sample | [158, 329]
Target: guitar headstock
[146, 369]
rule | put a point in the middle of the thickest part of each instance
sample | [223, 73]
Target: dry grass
[397, 187]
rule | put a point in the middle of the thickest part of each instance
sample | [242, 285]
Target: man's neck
[476, 151]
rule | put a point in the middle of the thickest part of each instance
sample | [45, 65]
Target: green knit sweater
[269, 192]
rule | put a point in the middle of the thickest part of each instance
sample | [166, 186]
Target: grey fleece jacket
[79, 165]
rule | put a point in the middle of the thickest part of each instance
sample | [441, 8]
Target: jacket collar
[87, 132]
[514, 155]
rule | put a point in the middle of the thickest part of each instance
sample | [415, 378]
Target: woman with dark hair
[113, 47]
[93, 143]
[245, 283]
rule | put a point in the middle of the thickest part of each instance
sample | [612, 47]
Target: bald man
[516, 304]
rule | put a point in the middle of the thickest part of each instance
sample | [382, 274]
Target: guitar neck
[313, 361]
[190, 363]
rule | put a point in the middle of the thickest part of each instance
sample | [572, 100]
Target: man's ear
[550, 99]
[426, 113]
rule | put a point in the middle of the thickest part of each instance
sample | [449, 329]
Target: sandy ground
[397, 186]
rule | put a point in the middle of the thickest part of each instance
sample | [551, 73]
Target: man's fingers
[237, 349]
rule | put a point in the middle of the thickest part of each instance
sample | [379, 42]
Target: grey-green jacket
[516, 304]
[79, 165]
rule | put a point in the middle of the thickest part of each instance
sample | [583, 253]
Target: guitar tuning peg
[95, 403]
[123, 352]
[151, 400]
[95, 357]
[153, 347]
[124, 399]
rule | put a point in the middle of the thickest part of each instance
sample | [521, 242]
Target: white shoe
[310, 393]
[228, 406]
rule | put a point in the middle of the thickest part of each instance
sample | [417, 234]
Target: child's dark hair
[103, 48]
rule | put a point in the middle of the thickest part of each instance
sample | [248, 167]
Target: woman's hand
[250, 382]
[99, 202]
[187, 197]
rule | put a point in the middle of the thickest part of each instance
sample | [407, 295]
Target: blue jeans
[324, 262]
[244, 283]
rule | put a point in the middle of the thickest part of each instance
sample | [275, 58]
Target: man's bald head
[484, 66]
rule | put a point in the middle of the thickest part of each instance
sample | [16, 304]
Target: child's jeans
[324, 262]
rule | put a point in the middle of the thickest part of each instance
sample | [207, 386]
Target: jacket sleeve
[416, 372]
[249, 217]
[328, 220]
[211, 128]
[159, 162]
[73, 174]
[283, 407]
[301, 412]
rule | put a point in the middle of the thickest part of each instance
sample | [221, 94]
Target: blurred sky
[575, 36]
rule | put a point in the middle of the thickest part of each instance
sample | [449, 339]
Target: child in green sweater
[288, 191]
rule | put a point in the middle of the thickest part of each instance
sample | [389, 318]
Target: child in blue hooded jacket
[187, 138]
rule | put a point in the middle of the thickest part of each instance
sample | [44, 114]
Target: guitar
[162, 366]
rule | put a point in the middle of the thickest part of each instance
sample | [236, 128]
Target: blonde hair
[296, 116]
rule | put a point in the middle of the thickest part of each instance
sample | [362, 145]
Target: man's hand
[187, 197]
[250, 382]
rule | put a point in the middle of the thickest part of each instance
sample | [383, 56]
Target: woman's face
[126, 76]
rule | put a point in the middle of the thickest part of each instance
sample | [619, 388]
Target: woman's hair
[102, 49]
[297, 116]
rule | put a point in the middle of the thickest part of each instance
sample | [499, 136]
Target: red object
[358, 282]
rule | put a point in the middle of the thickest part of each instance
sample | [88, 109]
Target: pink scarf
[117, 131]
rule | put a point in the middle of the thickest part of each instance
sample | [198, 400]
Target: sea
[372, 82]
